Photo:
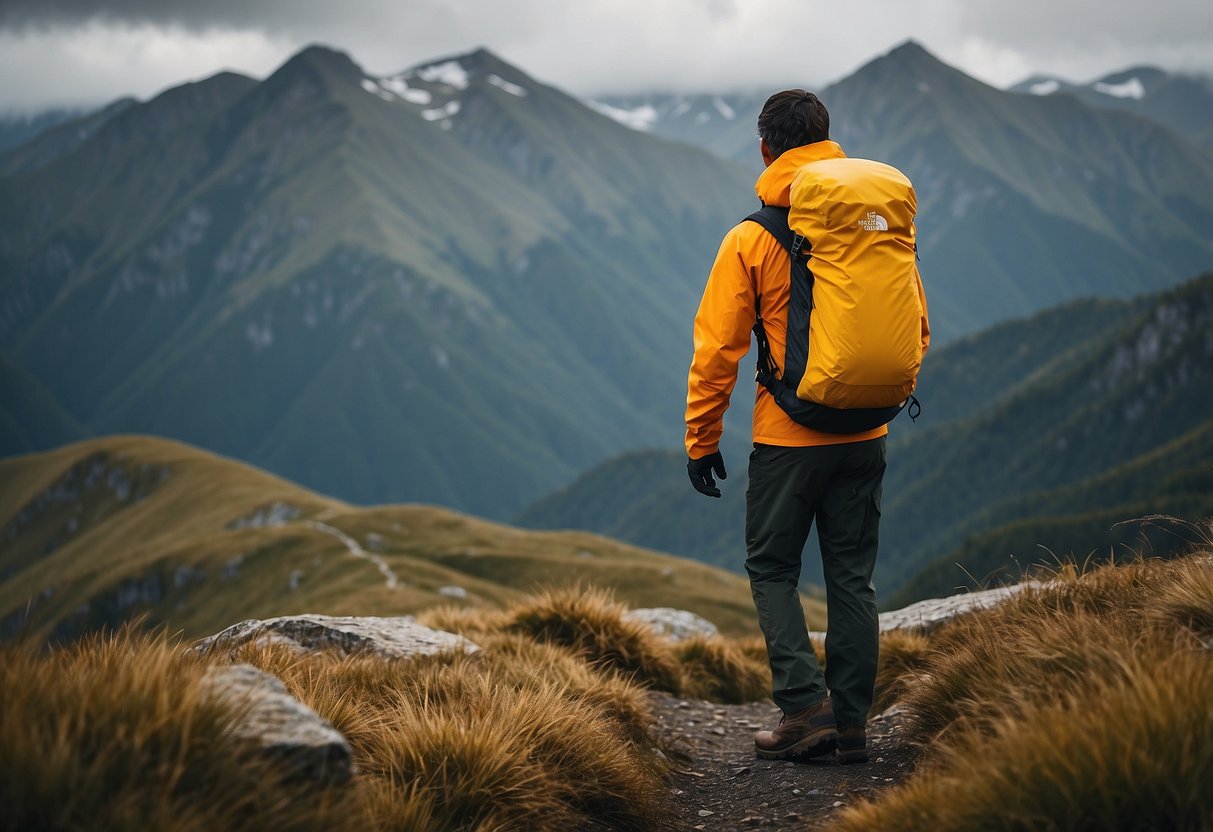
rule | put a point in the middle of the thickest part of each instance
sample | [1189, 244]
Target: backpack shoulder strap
[775, 220]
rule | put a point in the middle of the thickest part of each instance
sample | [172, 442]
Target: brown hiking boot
[852, 744]
[807, 733]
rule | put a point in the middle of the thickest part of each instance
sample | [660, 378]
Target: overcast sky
[70, 52]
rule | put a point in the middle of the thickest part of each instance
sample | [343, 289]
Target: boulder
[932, 612]
[929, 614]
[279, 726]
[398, 637]
[678, 625]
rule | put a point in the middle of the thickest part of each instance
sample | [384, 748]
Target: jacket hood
[774, 185]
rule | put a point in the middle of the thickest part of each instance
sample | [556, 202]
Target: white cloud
[97, 62]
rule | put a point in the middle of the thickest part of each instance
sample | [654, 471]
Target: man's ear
[767, 156]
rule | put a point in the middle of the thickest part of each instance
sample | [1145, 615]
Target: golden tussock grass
[1129, 752]
[902, 652]
[466, 621]
[590, 622]
[518, 735]
[1081, 704]
[1040, 643]
[547, 726]
[115, 732]
[722, 671]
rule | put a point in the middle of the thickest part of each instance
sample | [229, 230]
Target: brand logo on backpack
[873, 222]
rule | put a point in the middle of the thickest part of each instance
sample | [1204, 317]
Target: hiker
[798, 473]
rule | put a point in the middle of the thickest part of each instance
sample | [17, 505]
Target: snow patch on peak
[373, 88]
[501, 83]
[450, 73]
[445, 111]
[1133, 88]
[724, 109]
[1047, 87]
[641, 118]
[401, 88]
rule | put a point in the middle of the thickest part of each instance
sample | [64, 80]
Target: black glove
[700, 471]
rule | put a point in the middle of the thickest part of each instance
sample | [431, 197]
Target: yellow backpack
[854, 318]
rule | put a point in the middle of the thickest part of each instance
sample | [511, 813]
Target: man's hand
[700, 471]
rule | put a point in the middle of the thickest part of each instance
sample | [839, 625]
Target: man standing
[796, 473]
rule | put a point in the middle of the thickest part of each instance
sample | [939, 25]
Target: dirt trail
[390, 579]
[721, 785]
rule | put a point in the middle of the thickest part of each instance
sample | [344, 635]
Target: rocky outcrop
[399, 637]
[678, 625]
[278, 725]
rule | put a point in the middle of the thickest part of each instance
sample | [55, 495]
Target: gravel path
[721, 785]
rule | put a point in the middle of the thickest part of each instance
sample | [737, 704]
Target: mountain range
[454, 284]
[101, 532]
[1037, 438]
[1024, 201]
[457, 284]
[1181, 102]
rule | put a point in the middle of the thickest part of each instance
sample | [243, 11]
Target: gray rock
[279, 726]
[678, 625]
[399, 637]
[931, 613]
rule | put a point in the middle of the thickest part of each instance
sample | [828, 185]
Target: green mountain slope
[454, 284]
[18, 128]
[1091, 411]
[1024, 201]
[1132, 507]
[29, 144]
[99, 532]
[1140, 388]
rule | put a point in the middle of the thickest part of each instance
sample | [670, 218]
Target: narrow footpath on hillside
[390, 579]
[721, 786]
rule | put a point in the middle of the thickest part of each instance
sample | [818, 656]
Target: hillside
[1024, 201]
[380, 287]
[1038, 436]
[101, 531]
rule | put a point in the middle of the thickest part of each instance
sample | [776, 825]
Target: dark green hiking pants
[840, 486]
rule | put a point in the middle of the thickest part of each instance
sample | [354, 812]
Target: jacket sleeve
[722, 338]
[926, 325]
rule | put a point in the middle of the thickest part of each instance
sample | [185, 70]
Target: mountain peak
[319, 58]
[459, 68]
[910, 54]
[908, 66]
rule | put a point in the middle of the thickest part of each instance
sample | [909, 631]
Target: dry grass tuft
[519, 735]
[902, 654]
[1079, 705]
[546, 727]
[469, 622]
[723, 671]
[591, 622]
[1039, 644]
[1129, 752]
[114, 732]
[1187, 601]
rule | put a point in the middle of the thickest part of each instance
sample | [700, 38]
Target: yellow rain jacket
[750, 265]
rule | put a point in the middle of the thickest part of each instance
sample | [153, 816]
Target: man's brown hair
[793, 118]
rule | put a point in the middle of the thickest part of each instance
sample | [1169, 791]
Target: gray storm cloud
[52, 49]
